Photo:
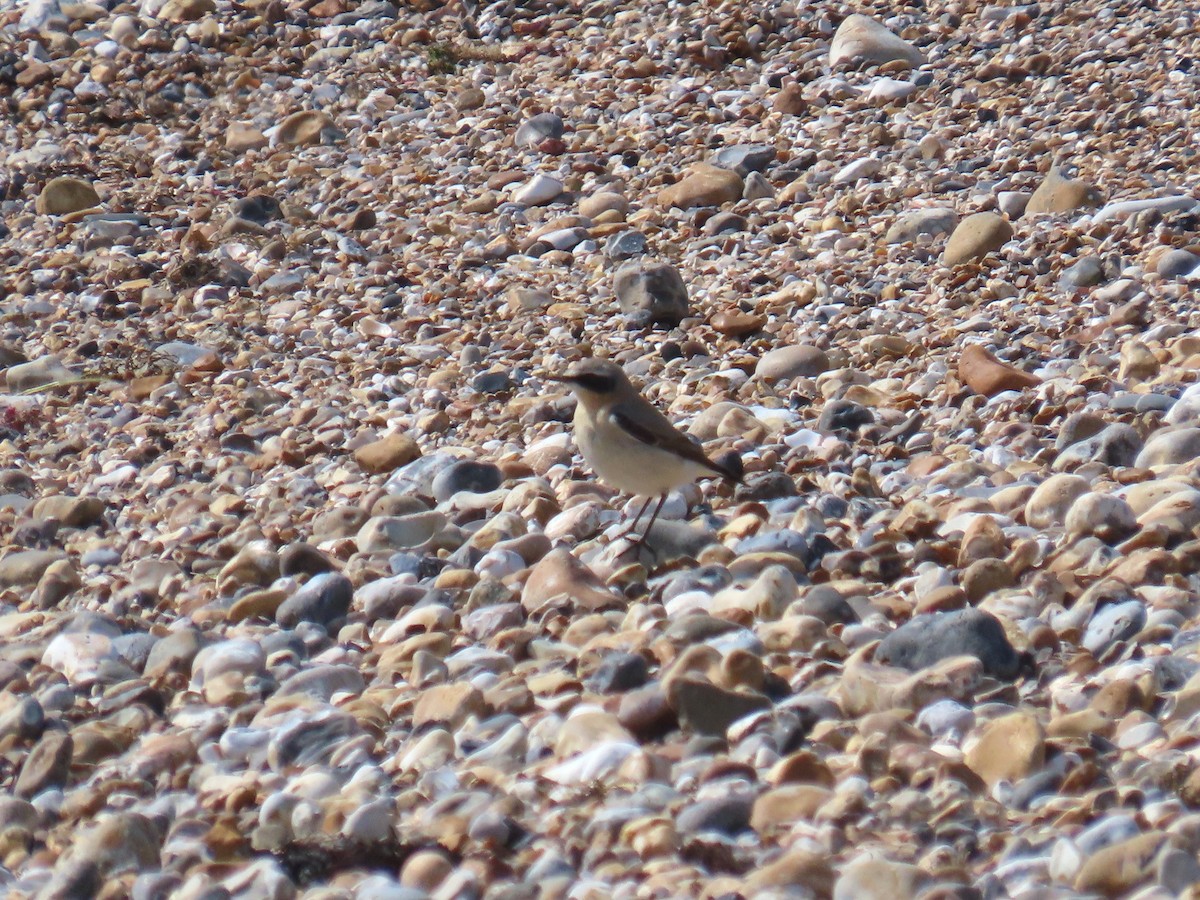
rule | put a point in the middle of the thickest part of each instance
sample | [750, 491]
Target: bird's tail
[729, 466]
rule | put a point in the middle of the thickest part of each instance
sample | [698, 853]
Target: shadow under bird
[629, 444]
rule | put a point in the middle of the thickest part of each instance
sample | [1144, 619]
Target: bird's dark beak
[564, 379]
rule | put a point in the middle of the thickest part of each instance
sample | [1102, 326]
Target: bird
[628, 443]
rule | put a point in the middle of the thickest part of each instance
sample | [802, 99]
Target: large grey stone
[932, 222]
[930, 638]
[861, 40]
[651, 293]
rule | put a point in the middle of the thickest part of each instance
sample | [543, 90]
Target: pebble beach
[307, 594]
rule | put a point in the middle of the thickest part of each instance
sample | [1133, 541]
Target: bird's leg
[632, 525]
[657, 510]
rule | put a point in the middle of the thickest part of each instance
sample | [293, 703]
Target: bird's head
[595, 381]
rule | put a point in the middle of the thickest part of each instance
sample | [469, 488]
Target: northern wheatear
[628, 443]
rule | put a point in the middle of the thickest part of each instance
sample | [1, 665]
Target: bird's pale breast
[626, 463]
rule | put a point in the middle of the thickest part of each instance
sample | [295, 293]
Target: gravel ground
[306, 593]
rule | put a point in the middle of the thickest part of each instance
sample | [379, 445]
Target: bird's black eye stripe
[597, 384]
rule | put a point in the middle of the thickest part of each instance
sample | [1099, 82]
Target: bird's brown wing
[673, 441]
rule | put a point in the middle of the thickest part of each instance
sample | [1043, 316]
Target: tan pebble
[801, 767]
[861, 39]
[484, 203]
[868, 687]
[47, 765]
[982, 539]
[740, 668]
[926, 464]
[387, 453]
[1118, 868]
[425, 870]
[602, 202]
[1053, 498]
[1082, 724]
[789, 803]
[975, 237]
[33, 74]
[305, 128]
[716, 555]
[257, 563]
[791, 297]
[1059, 194]
[740, 423]
[585, 629]
[1011, 500]
[71, 511]
[790, 100]
[917, 518]
[582, 731]
[1117, 698]
[793, 634]
[986, 375]
[450, 704]
[876, 878]
[943, 599]
[651, 837]
[241, 137]
[643, 67]
[548, 684]
[66, 194]
[572, 312]
[931, 147]
[257, 604]
[1008, 748]
[187, 10]
[1189, 793]
[742, 526]
[1149, 495]
[456, 580]
[560, 578]
[225, 838]
[433, 423]
[1185, 349]
[703, 185]
[735, 323]
[985, 576]
[793, 362]
[15, 841]
[888, 345]
[469, 99]
[1138, 362]
[609, 222]
[796, 866]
